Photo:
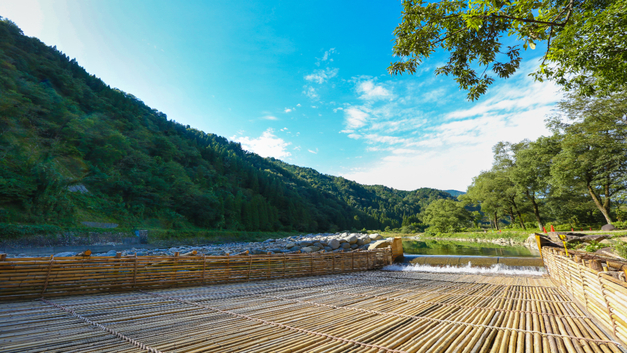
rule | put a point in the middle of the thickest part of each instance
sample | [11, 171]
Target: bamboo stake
[48, 275]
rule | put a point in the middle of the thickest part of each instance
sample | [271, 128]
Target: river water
[440, 247]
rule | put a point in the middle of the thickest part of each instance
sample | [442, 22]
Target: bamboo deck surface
[368, 311]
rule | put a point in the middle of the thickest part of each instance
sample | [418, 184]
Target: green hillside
[455, 193]
[73, 149]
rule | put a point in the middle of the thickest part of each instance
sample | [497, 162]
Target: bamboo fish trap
[369, 311]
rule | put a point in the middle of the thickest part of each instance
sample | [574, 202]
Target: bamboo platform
[368, 311]
[596, 283]
[30, 278]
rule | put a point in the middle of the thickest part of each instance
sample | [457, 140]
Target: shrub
[621, 249]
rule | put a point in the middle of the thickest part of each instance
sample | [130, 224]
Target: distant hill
[455, 193]
[73, 150]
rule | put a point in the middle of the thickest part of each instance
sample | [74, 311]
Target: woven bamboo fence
[28, 278]
[597, 283]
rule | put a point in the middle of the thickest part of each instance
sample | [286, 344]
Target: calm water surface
[438, 247]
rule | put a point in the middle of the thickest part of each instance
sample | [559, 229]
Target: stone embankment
[304, 243]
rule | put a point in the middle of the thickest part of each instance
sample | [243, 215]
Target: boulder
[304, 243]
[587, 238]
[343, 240]
[360, 242]
[328, 248]
[314, 248]
[306, 249]
[346, 246]
[375, 236]
[295, 248]
[608, 228]
[354, 246]
[366, 239]
[379, 244]
[318, 244]
[334, 244]
[352, 239]
[290, 245]
[607, 252]
[531, 242]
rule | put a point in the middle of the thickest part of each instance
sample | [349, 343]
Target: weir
[363, 309]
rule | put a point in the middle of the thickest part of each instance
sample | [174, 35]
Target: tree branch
[548, 47]
[526, 20]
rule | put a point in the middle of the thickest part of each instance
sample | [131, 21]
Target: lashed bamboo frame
[602, 293]
[29, 278]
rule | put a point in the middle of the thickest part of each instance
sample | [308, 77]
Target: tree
[483, 191]
[586, 41]
[532, 170]
[446, 215]
[593, 154]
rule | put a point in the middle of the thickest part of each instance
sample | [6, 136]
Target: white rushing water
[499, 269]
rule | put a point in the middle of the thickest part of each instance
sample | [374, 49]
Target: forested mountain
[454, 193]
[73, 149]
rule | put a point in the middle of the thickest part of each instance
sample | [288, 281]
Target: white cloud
[355, 118]
[434, 95]
[266, 145]
[312, 151]
[298, 105]
[310, 92]
[447, 153]
[327, 53]
[512, 97]
[371, 91]
[321, 76]
[374, 138]
[269, 117]
[326, 56]
[354, 136]
[284, 129]
[287, 110]
[453, 154]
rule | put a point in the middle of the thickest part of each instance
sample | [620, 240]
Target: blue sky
[302, 81]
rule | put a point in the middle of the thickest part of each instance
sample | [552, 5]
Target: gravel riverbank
[308, 243]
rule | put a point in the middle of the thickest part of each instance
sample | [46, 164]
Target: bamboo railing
[598, 284]
[28, 278]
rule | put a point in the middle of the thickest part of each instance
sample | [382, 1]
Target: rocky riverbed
[302, 243]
